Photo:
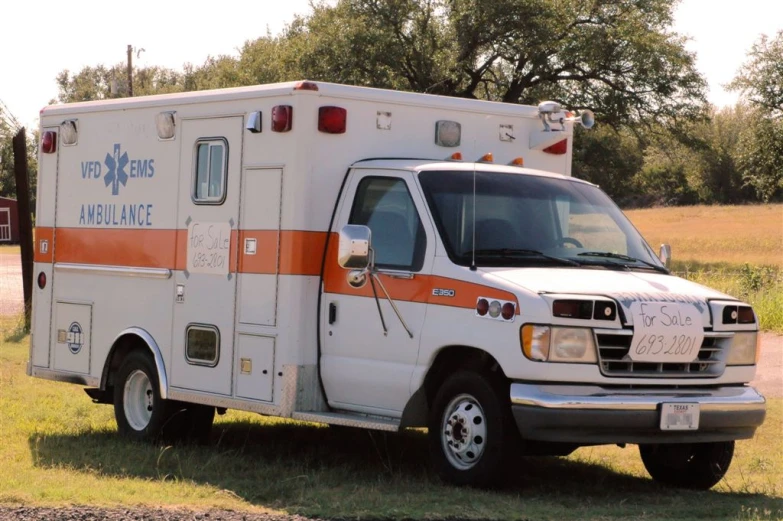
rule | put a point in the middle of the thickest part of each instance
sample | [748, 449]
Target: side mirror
[666, 254]
[354, 248]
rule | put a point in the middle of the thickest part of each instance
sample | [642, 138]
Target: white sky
[40, 38]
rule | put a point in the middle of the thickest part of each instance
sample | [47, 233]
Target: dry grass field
[712, 234]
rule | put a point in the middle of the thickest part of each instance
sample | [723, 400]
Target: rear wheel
[688, 465]
[140, 412]
[470, 434]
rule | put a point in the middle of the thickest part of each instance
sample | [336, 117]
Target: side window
[211, 165]
[384, 204]
[202, 345]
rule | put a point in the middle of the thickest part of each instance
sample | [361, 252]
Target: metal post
[25, 220]
[130, 71]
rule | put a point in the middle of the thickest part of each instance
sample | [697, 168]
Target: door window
[211, 159]
[384, 204]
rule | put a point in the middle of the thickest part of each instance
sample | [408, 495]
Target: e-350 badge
[438, 292]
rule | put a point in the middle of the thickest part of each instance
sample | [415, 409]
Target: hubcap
[464, 432]
[138, 400]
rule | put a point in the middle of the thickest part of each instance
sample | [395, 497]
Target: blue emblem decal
[75, 338]
[116, 164]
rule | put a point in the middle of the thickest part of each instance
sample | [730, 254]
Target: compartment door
[205, 288]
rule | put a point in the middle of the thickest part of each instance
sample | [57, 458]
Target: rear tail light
[559, 148]
[49, 142]
[332, 120]
[282, 118]
[42, 280]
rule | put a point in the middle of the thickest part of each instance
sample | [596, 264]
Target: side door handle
[332, 313]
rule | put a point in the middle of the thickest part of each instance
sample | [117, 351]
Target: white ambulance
[374, 259]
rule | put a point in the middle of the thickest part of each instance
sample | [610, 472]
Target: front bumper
[590, 414]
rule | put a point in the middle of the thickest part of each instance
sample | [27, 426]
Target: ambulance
[374, 259]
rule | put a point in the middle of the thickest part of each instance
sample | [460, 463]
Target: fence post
[25, 220]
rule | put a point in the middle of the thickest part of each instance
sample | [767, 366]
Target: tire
[476, 454]
[140, 412]
[688, 465]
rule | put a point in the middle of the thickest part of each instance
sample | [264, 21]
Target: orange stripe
[139, 248]
[418, 289]
[265, 258]
[299, 252]
[43, 234]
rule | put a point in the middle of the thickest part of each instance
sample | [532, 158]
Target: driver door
[364, 369]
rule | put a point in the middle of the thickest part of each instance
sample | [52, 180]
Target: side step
[349, 419]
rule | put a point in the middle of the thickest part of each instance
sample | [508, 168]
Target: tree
[617, 57]
[760, 79]
[95, 83]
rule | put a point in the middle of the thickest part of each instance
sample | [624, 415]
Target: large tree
[618, 57]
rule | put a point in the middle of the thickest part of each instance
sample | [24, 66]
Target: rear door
[208, 217]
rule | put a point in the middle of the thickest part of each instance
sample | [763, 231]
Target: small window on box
[202, 345]
[211, 163]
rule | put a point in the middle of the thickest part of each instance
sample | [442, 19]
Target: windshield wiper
[520, 252]
[620, 256]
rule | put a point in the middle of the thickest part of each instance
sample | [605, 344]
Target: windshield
[531, 220]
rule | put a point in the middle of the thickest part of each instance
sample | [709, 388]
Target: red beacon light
[282, 118]
[306, 85]
[332, 120]
[49, 142]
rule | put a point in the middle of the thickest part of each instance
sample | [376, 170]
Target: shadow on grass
[337, 472]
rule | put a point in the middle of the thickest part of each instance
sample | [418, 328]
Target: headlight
[558, 344]
[744, 349]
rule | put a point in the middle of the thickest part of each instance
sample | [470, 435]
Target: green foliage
[761, 77]
[609, 158]
[7, 177]
[759, 156]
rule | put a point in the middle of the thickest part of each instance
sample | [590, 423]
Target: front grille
[613, 357]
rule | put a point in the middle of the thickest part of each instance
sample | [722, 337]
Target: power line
[8, 117]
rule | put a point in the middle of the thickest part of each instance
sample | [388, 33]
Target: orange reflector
[486, 158]
[306, 85]
[518, 161]
[456, 156]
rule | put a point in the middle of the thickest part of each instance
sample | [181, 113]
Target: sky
[71, 35]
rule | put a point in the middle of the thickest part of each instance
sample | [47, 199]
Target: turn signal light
[49, 142]
[332, 120]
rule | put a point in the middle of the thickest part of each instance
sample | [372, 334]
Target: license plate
[679, 416]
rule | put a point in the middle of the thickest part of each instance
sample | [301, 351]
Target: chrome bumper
[593, 414]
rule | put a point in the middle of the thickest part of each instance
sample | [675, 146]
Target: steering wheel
[569, 240]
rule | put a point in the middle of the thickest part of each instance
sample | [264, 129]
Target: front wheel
[688, 465]
[469, 430]
[140, 412]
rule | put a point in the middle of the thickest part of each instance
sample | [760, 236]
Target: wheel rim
[138, 400]
[463, 432]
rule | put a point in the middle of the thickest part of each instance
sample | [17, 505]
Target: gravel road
[135, 514]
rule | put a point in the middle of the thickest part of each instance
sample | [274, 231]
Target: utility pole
[25, 220]
[130, 71]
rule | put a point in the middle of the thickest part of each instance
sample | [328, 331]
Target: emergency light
[282, 118]
[49, 142]
[332, 120]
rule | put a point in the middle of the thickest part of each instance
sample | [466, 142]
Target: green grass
[60, 449]
[760, 286]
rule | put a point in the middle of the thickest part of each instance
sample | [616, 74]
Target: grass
[750, 234]
[60, 449]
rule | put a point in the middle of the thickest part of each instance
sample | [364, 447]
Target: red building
[9, 223]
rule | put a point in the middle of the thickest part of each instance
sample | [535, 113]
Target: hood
[626, 287]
